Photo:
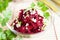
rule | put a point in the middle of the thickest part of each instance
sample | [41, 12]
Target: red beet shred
[31, 22]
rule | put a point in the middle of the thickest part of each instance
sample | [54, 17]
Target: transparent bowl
[16, 9]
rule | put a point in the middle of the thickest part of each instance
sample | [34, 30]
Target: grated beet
[29, 26]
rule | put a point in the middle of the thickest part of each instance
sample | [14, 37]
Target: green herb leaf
[32, 5]
[10, 35]
[44, 8]
[40, 4]
[46, 15]
[7, 32]
[3, 36]
[10, 0]
[4, 4]
[1, 29]
[1, 19]
[7, 15]
[1, 6]
[4, 21]
[6, 35]
[0, 35]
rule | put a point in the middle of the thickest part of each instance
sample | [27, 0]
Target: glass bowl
[15, 12]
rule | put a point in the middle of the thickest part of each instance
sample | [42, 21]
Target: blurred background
[7, 7]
